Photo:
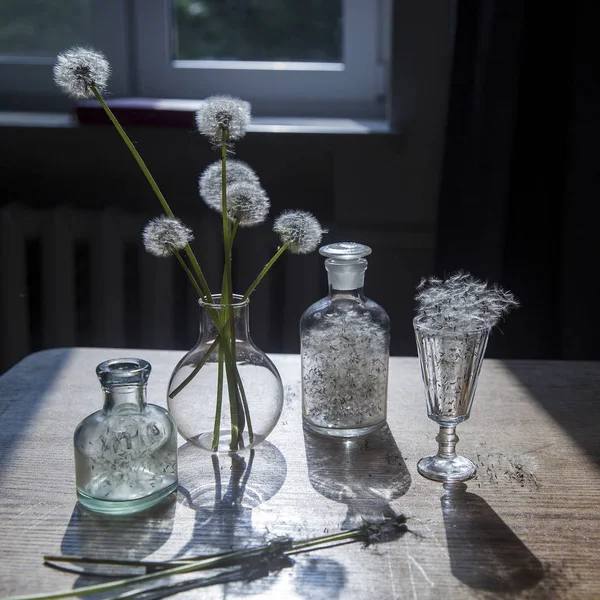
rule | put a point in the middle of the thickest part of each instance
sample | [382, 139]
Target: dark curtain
[521, 185]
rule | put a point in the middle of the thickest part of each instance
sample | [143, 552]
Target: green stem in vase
[197, 368]
[134, 152]
[190, 275]
[199, 273]
[217, 427]
[233, 405]
[153, 184]
[236, 225]
[227, 281]
[264, 271]
[228, 338]
[240, 385]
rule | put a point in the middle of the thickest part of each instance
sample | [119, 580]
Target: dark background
[492, 168]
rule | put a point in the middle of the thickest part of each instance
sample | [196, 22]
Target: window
[41, 28]
[32, 32]
[287, 57]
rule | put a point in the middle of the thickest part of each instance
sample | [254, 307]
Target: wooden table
[527, 526]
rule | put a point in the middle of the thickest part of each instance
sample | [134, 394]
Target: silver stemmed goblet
[450, 365]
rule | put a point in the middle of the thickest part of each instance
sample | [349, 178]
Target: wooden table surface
[527, 526]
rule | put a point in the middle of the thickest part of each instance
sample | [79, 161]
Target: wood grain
[528, 526]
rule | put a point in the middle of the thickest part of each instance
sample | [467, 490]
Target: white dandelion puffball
[209, 183]
[300, 230]
[77, 69]
[247, 203]
[219, 113]
[164, 234]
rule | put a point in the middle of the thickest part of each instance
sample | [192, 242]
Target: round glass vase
[225, 394]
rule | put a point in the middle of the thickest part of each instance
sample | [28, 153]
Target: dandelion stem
[240, 385]
[197, 368]
[199, 273]
[134, 152]
[264, 271]
[207, 563]
[152, 182]
[236, 224]
[217, 426]
[228, 338]
[233, 403]
[225, 219]
[385, 530]
[189, 274]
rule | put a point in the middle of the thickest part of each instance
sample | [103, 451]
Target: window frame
[136, 37]
[354, 88]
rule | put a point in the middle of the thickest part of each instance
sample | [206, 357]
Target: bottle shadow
[319, 578]
[223, 490]
[484, 552]
[119, 537]
[364, 473]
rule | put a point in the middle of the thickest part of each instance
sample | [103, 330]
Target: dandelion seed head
[223, 112]
[461, 303]
[247, 203]
[386, 530]
[209, 183]
[300, 230]
[164, 234]
[77, 69]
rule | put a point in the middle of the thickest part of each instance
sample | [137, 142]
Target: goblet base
[445, 469]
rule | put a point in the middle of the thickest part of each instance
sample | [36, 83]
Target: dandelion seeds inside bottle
[126, 453]
[345, 340]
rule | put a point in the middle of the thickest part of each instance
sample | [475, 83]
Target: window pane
[264, 30]
[43, 27]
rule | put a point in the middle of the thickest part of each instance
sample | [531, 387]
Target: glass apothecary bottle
[126, 453]
[345, 340]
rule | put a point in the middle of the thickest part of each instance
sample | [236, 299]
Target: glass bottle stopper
[345, 264]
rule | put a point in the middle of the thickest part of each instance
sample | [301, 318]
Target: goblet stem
[446, 466]
[447, 440]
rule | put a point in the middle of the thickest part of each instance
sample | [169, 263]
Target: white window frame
[354, 88]
[136, 37]
[26, 81]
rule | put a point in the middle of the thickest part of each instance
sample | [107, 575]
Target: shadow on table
[132, 537]
[567, 390]
[484, 552]
[22, 391]
[364, 473]
[223, 491]
[318, 578]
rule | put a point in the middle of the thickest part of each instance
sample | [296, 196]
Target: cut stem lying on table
[272, 553]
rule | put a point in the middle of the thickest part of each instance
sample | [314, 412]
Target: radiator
[73, 277]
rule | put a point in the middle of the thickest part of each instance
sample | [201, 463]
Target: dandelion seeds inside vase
[345, 339]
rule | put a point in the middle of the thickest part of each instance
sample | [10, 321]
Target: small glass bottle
[126, 453]
[345, 340]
